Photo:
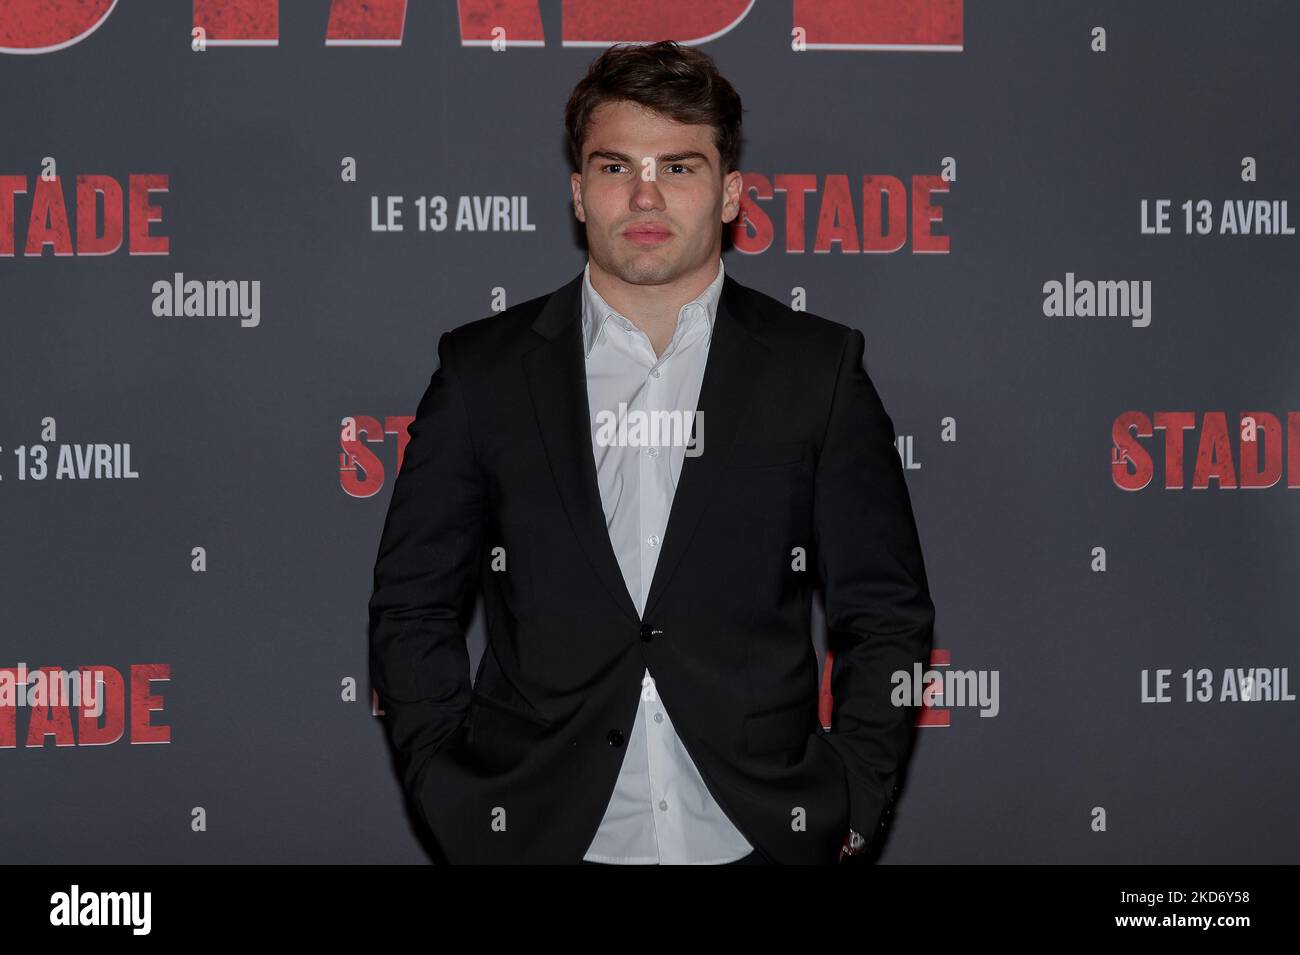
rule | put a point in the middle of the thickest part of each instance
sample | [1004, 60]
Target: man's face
[644, 171]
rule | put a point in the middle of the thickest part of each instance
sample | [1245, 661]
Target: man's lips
[648, 235]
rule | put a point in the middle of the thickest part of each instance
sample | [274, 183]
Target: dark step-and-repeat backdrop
[233, 231]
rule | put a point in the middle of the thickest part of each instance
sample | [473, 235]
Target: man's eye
[671, 166]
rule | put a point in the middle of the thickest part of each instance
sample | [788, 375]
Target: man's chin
[645, 267]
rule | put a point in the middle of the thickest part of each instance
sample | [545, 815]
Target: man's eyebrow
[664, 157]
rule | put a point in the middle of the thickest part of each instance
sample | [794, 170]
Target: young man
[648, 692]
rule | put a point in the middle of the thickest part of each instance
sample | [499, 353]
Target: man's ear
[731, 191]
[575, 184]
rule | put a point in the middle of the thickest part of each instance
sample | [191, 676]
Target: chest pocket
[765, 454]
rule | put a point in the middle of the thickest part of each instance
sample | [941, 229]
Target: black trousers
[752, 859]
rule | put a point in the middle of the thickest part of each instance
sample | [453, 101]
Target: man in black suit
[648, 692]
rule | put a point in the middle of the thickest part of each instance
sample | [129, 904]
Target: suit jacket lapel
[737, 359]
[557, 379]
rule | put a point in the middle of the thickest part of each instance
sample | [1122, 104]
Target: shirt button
[663, 804]
[655, 373]
[659, 717]
[653, 452]
[614, 737]
[653, 540]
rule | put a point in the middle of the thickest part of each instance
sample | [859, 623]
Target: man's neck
[654, 308]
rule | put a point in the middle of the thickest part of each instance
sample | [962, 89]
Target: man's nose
[647, 195]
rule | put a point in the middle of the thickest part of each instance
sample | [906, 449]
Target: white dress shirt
[660, 811]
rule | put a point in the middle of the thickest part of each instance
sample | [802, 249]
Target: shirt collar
[596, 311]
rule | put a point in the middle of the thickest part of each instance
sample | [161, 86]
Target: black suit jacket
[498, 490]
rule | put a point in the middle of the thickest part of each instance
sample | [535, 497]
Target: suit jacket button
[648, 632]
[614, 737]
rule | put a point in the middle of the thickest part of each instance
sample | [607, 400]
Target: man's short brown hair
[678, 81]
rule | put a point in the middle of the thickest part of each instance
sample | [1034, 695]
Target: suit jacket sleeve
[426, 576]
[878, 611]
